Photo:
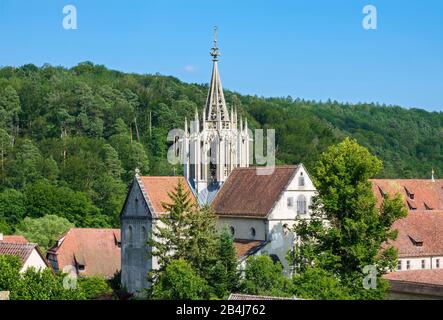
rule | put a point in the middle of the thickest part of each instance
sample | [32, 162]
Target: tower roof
[215, 103]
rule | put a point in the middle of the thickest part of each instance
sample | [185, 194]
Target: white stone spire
[215, 102]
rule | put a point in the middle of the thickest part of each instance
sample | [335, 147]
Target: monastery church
[259, 208]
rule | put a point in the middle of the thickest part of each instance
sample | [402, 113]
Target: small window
[290, 202]
[252, 233]
[301, 181]
[437, 263]
[231, 228]
[423, 264]
[408, 265]
[399, 265]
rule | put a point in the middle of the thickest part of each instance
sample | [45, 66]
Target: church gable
[136, 204]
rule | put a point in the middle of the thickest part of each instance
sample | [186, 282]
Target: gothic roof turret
[215, 102]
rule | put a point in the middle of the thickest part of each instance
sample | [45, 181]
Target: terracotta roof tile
[96, 249]
[434, 276]
[426, 193]
[23, 251]
[420, 234]
[14, 239]
[246, 247]
[157, 189]
[246, 193]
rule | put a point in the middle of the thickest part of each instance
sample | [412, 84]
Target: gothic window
[252, 233]
[301, 204]
[129, 236]
[144, 235]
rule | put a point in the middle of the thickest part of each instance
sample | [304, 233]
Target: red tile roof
[248, 194]
[23, 251]
[157, 188]
[426, 193]
[419, 226]
[421, 232]
[96, 249]
[246, 247]
[14, 239]
[434, 276]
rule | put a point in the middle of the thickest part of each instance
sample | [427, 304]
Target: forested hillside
[71, 138]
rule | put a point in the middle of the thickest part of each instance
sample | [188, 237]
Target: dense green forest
[70, 139]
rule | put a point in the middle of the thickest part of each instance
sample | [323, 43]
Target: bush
[94, 287]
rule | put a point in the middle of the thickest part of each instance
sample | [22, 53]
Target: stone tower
[216, 143]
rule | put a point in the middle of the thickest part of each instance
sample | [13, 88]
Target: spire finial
[215, 53]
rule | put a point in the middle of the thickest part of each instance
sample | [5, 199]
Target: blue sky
[312, 49]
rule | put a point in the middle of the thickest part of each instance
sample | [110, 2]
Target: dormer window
[428, 207]
[411, 206]
[81, 267]
[416, 241]
[382, 192]
[410, 194]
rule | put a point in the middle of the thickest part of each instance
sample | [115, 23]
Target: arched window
[252, 233]
[301, 204]
[231, 228]
[130, 234]
[144, 235]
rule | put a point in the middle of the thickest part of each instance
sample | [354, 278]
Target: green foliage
[94, 287]
[12, 207]
[33, 284]
[9, 272]
[44, 231]
[180, 282]
[264, 277]
[191, 233]
[319, 284]
[355, 230]
[43, 198]
[169, 240]
[225, 276]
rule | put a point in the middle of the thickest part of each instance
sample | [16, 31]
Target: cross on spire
[215, 53]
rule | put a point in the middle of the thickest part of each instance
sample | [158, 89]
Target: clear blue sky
[312, 49]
